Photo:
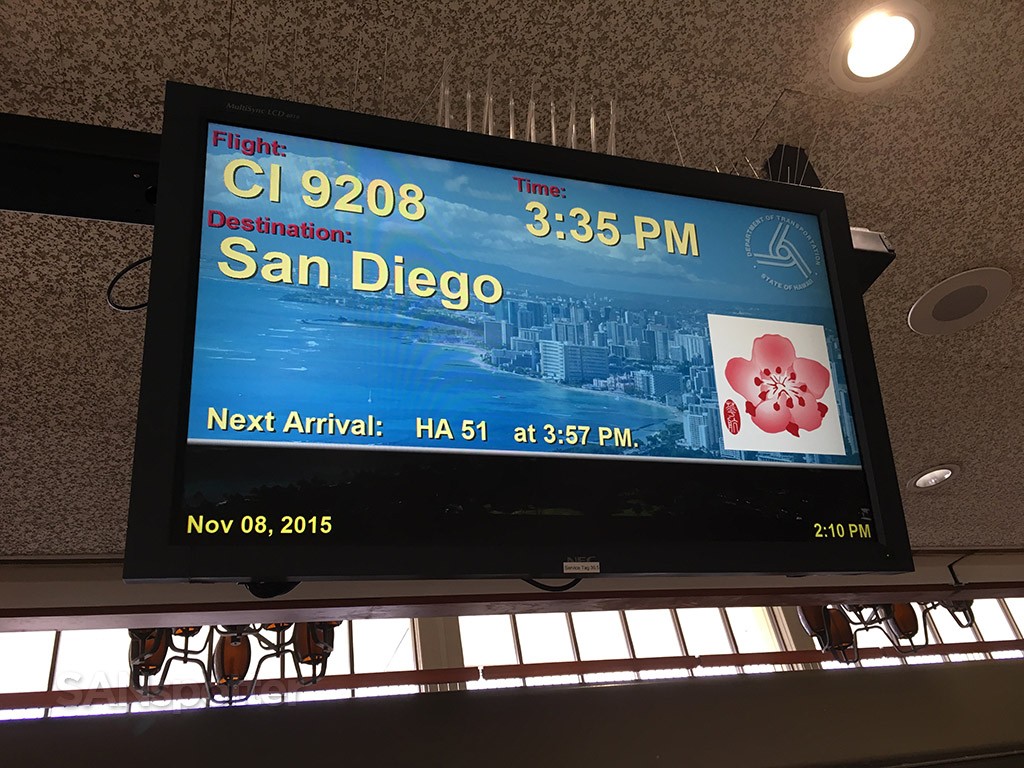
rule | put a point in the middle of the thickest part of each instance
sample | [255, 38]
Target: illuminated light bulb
[879, 43]
[936, 476]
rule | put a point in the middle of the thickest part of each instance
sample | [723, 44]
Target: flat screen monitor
[378, 349]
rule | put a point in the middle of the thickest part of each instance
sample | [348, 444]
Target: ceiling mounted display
[384, 350]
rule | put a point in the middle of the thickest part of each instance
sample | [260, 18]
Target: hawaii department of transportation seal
[786, 253]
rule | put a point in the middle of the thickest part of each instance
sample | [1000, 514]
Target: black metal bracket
[791, 165]
[72, 169]
[874, 254]
[269, 589]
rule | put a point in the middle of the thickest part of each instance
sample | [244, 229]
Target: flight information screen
[376, 349]
[359, 298]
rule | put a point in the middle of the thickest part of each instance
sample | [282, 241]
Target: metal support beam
[439, 646]
[94, 597]
[71, 169]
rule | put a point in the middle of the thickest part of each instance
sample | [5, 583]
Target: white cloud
[459, 184]
[456, 184]
[431, 164]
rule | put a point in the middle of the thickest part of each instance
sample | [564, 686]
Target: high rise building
[659, 337]
[643, 383]
[572, 363]
[657, 384]
[701, 377]
[698, 432]
[697, 349]
[493, 336]
[663, 382]
[616, 332]
[568, 332]
[520, 344]
[535, 310]
[639, 350]
[524, 317]
[711, 421]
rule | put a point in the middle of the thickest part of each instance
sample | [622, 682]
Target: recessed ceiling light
[934, 476]
[960, 301]
[879, 42]
[880, 45]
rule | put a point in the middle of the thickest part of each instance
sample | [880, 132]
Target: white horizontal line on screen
[528, 454]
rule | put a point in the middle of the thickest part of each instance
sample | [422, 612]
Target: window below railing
[86, 672]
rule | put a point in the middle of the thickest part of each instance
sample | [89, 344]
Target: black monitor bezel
[157, 474]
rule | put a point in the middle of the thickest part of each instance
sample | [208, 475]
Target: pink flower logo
[781, 389]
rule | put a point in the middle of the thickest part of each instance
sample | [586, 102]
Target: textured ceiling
[935, 160]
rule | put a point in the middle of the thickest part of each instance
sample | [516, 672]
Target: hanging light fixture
[231, 660]
[313, 646]
[962, 612]
[903, 625]
[835, 628]
[277, 626]
[146, 654]
[831, 628]
[225, 656]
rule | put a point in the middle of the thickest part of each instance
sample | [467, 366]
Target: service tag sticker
[577, 566]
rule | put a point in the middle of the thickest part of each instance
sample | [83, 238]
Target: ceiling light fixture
[879, 42]
[933, 477]
[880, 45]
[960, 301]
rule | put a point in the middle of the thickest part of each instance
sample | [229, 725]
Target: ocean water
[293, 356]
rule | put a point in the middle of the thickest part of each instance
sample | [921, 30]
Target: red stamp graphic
[731, 415]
